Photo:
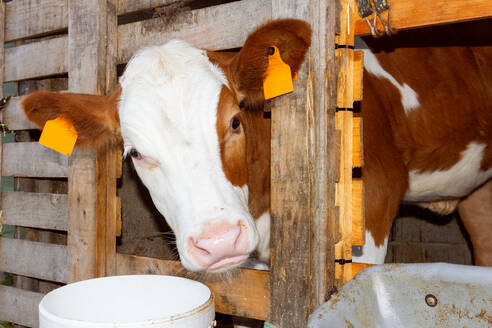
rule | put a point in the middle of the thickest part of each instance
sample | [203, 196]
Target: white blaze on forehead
[409, 97]
[370, 253]
[168, 112]
[458, 181]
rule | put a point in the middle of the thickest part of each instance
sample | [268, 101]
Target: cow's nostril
[238, 238]
[195, 245]
[220, 244]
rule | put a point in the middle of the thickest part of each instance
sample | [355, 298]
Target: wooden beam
[31, 159]
[33, 259]
[344, 123]
[37, 59]
[407, 14]
[209, 28]
[91, 182]
[85, 71]
[131, 6]
[36, 210]
[357, 149]
[19, 306]
[245, 293]
[34, 18]
[303, 161]
[358, 220]
[108, 161]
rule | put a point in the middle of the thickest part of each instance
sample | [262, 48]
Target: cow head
[191, 123]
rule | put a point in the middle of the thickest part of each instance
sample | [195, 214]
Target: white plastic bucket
[129, 301]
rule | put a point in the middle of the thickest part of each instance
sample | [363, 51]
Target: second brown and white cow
[192, 122]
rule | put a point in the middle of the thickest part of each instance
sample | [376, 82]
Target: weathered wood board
[19, 306]
[419, 13]
[35, 210]
[129, 6]
[33, 259]
[32, 18]
[209, 28]
[245, 294]
[37, 59]
[31, 159]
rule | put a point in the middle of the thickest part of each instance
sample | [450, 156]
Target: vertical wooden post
[2, 76]
[303, 174]
[89, 71]
[345, 123]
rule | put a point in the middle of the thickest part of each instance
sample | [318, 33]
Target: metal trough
[411, 295]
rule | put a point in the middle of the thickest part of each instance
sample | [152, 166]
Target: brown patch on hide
[232, 144]
[247, 70]
[245, 153]
[95, 118]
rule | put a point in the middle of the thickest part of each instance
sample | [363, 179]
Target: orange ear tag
[59, 135]
[278, 77]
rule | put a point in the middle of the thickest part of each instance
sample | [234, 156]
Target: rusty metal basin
[411, 295]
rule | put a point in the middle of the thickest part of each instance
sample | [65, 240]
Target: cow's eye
[135, 154]
[235, 123]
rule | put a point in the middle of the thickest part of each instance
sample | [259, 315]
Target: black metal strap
[357, 172]
[365, 8]
[344, 46]
[344, 109]
[342, 261]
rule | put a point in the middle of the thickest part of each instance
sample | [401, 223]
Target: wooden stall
[315, 204]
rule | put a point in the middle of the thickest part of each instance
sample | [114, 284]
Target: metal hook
[378, 33]
[371, 28]
[390, 30]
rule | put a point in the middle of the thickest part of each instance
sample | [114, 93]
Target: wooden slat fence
[83, 40]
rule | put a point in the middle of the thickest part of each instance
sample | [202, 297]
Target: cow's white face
[193, 147]
[168, 115]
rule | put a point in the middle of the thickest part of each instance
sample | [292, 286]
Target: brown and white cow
[192, 122]
[427, 113]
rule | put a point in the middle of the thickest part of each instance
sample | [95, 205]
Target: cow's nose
[220, 245]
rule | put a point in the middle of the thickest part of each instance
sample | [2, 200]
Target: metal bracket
[342, 261]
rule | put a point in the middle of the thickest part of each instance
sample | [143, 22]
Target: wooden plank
[36, 210]
[109, 163]
[303, 147]
[30, 159]
[358, 73]
[90, 45]
[130, 6]
[245, 293]
[418, 13]
[33, 18]
[358, 221]
[14, 116]
[37, 59]
[209, 28]
[357, 149]
[33, 259]
[344, 122]
[19, 306]
[2, 77]
[358, 267]
[322, 167]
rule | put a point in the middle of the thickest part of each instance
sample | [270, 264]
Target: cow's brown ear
[95, 118]
[247, 69]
